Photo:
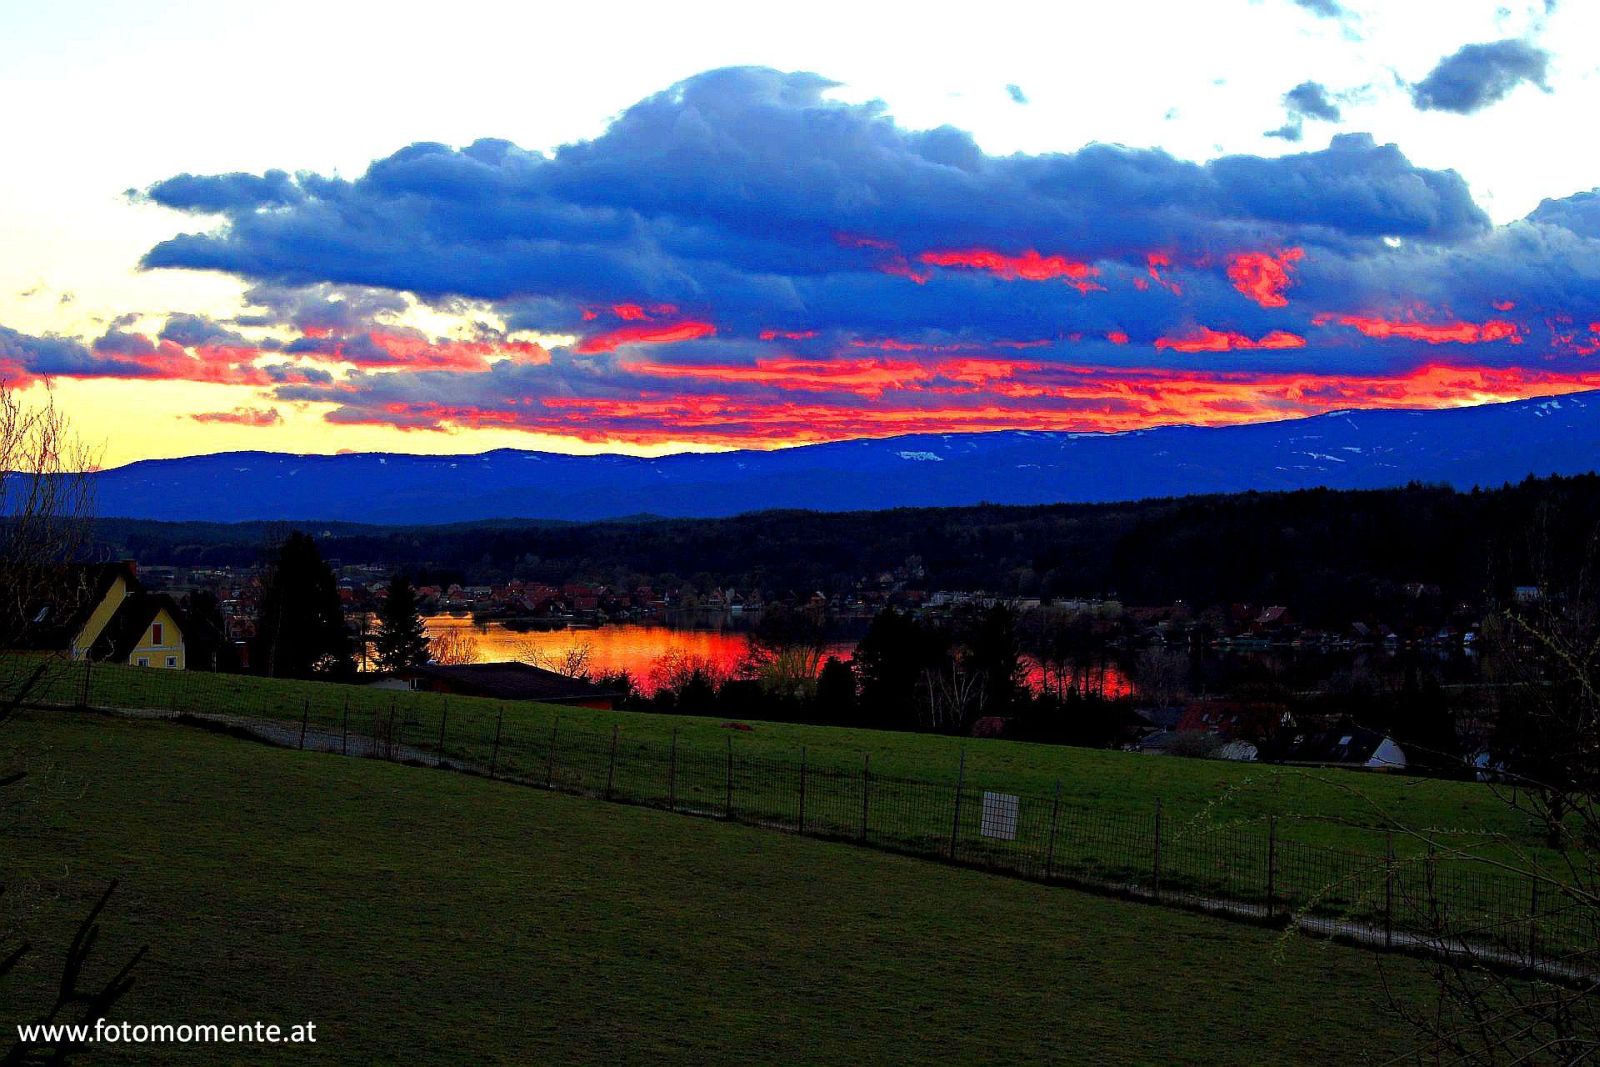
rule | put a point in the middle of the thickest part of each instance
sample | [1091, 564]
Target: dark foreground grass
[420, 916]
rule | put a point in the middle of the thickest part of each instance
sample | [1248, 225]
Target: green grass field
[1331, 824]
[419, 916]
[1336, 808]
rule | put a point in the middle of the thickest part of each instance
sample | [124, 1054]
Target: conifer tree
[300, 629]
[401, 640]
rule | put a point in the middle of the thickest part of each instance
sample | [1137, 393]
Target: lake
[623, 646]
[638, 647]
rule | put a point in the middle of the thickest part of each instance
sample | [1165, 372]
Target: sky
[650, 228]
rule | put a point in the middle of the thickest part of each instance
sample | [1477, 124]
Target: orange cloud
[1263, 276]
[1433, 333]
[664, 334]
[1205, 339]
[1030, 266]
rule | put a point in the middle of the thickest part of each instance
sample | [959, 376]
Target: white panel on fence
[999, 816]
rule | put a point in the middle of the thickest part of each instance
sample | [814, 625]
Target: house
[145, 631]
[504, 681]
[1234, 720]
[1345, 746]
[102, 612]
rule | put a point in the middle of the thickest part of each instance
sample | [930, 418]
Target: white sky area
[106, 96]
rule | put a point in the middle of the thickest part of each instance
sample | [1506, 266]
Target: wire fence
[1421, 903]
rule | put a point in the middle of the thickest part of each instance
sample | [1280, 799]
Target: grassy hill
[1339, 809]
[428, 917]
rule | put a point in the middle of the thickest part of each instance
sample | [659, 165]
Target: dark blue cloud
[1579, 213]
[119, 342]
[194, 331]
[752, 203]
[288, 373]
[50, 354]
[220, 194]
[319, 308]
[1479, 75]
[1310, 100]
[727, 196]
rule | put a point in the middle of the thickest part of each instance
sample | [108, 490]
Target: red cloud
[893, 261]
[664, 334]
[1205, 339]
[1030, 266]
[790, 401]
[242, 416]
[1433, 333]
[1155, 263]
[1263, 276]
[422, 354]
[892, 344]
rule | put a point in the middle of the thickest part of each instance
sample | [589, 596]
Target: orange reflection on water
[632, 647]
[638, 648]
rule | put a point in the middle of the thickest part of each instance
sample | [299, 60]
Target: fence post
[444, 717]
[1533, 920]
[1055, 818]
[801, 822]
[305, 717]
[1272, 868]
[88, 669]
[955, 821]
[672, 773]
[1388, 893]
[1435, 916]
[611, 768]
[388, 734]
[550, 762]
[344, 729]
[1156, 857]
[727, 808]
[494, 753]
[866, 788]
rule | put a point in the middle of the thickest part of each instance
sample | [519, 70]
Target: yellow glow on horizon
[127, 421]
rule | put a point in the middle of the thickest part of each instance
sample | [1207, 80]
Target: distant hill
[1462, 447]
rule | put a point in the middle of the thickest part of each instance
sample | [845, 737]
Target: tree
[1162, 675]
[836, 692]
[993, 657]
[46, 501]
[300, 632]
[1544, 763]
[45, 507]
[574, 661]
[453, 647]
[401, 640]
[205, 634]
[786, 652]
[891, 661]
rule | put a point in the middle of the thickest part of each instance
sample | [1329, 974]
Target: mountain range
[1360, 449]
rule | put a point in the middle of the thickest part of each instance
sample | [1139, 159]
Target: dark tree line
[909, 674]
[1329, 555]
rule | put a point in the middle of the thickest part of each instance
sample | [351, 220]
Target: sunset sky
[619, 227]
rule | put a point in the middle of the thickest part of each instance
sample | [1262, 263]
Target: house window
[155, 633]
[172, 661]
[143, 661]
